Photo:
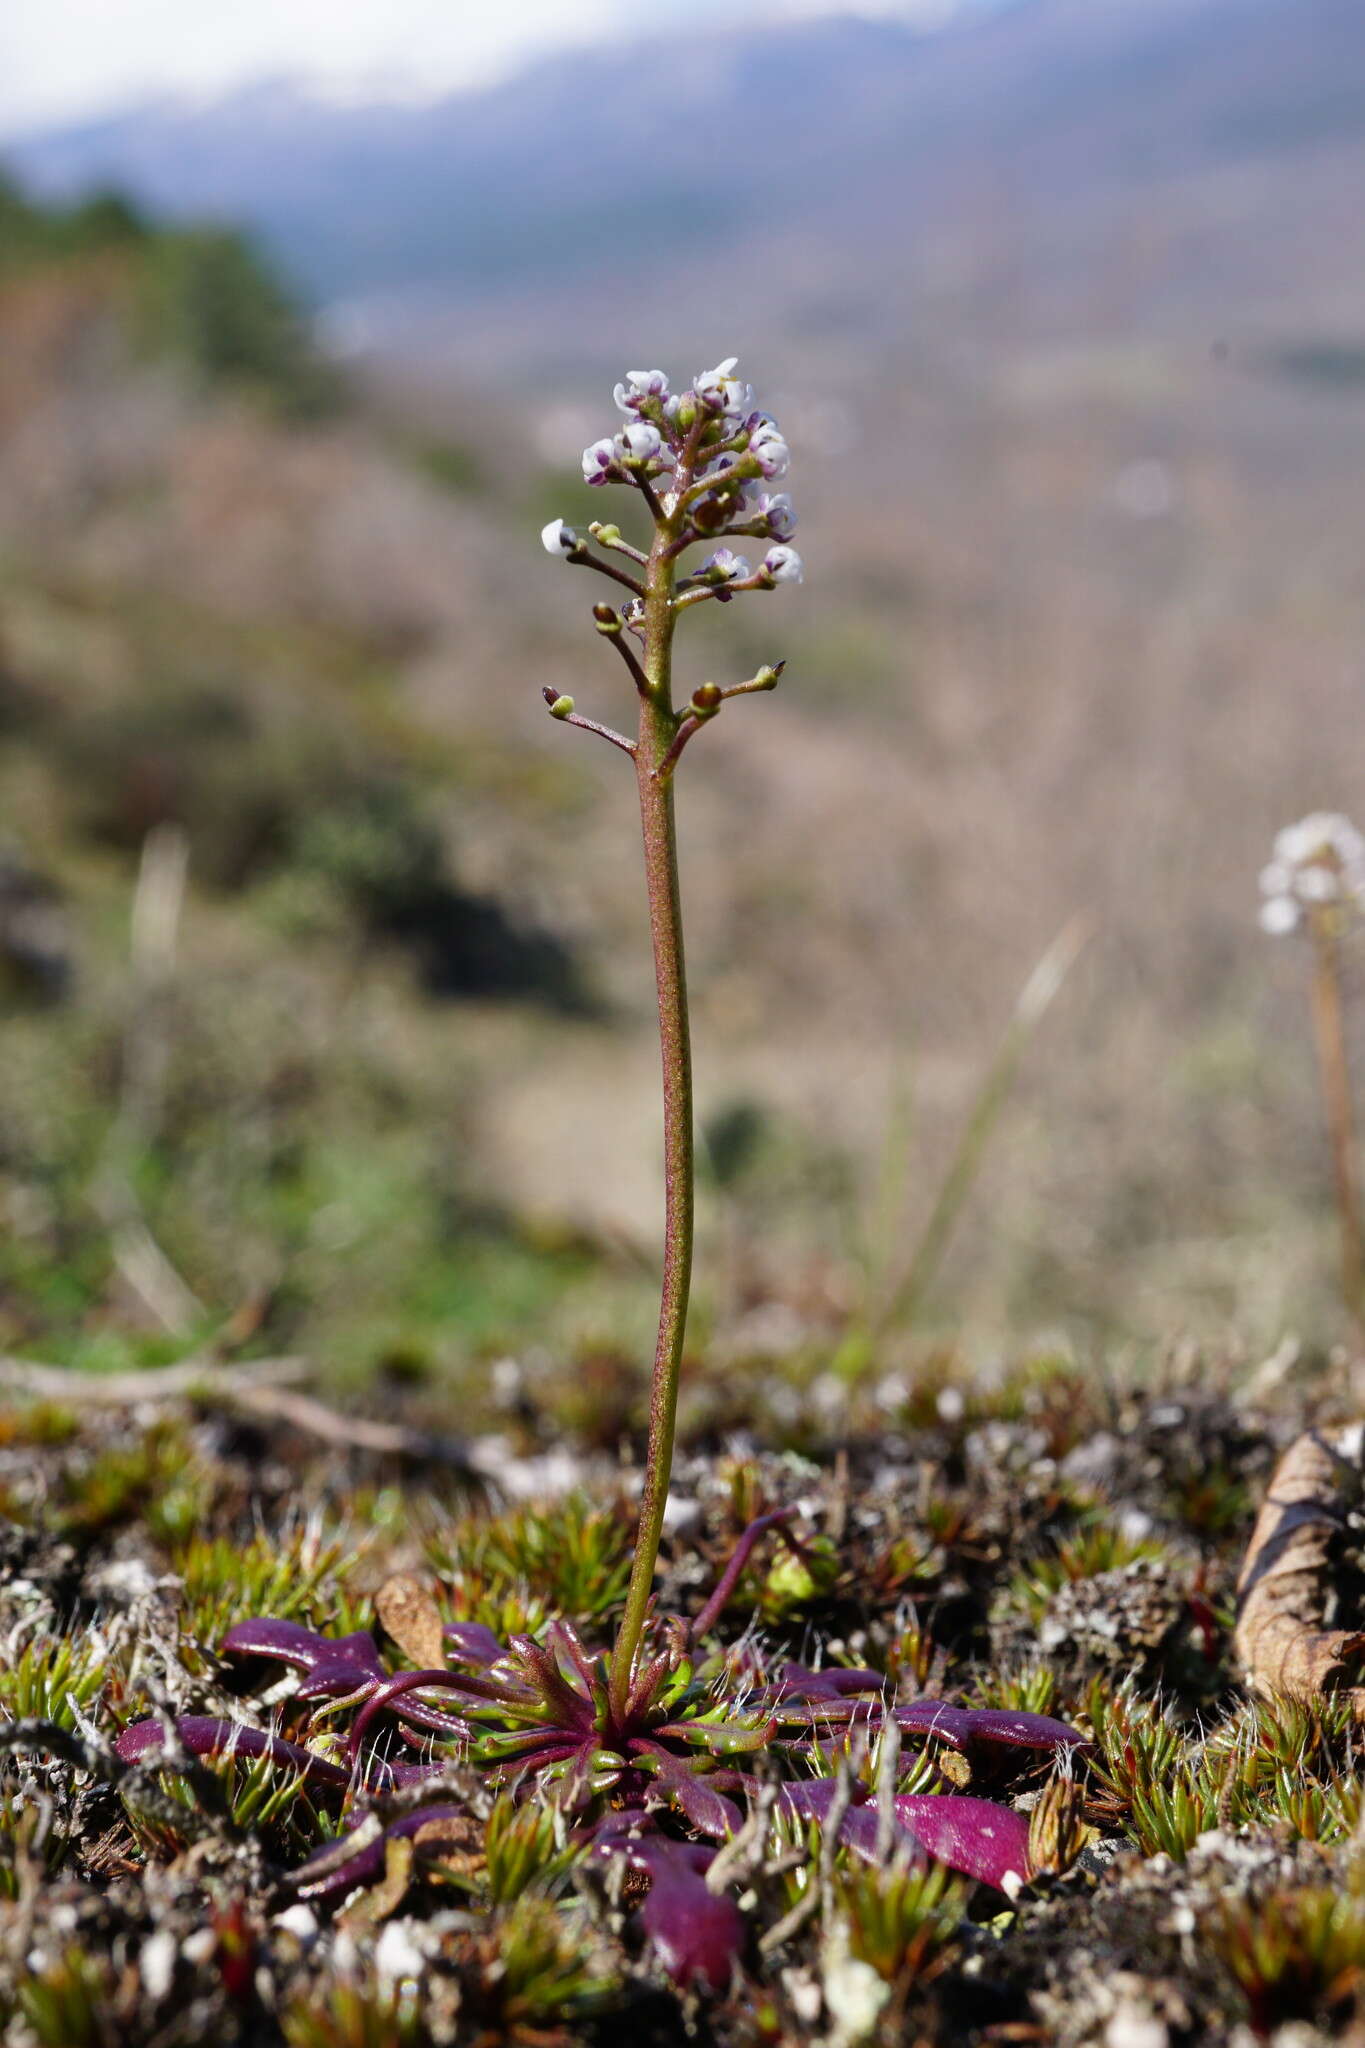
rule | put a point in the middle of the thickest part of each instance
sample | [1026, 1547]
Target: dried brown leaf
[408, 1610]
[1287, 1585]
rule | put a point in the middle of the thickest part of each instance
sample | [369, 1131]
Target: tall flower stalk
[647, 1752]
[1316, 883]
[700, 460]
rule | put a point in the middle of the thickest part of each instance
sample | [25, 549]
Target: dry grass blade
[1035, 999]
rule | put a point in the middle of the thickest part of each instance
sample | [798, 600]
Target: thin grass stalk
[1329, 1030]
[905, 1296]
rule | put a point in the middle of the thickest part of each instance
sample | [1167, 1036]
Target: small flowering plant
[1314, 883]
[661, 1746]
[1316, 874]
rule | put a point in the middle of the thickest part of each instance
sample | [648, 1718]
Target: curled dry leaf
[408, 1610]
[1288, 1586]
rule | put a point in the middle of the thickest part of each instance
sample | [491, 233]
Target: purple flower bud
[783, 564]
[639, 386]
[558, 538]
[769, 450]
[720, 390]
[599, 462]
[777, 508]
[637, 443]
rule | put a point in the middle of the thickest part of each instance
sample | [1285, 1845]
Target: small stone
[397, 1955]
[156, 1964]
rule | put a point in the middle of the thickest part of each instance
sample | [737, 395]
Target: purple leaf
[706, 1809]
[203, 1735]
[962, 1726]
[697, 1934]
[335, 1665]
[975, 1836]
[472, 1643]
[799, 1682]
[950, 1724]
[1027, 1731]
[811, 1798]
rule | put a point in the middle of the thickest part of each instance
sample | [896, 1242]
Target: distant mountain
[844, 193]
[866, 128]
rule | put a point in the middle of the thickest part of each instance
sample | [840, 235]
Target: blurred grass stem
[905, 1295]
[1334, 1072]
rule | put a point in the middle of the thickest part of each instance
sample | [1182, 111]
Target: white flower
[640, 385]
[769, 449]
[784, 565]
[723, 391]
[1317, 884]
[1279, 914]
[777, 508]
[638, 443]
[558, 538]
[598, 462]
[1317, 862]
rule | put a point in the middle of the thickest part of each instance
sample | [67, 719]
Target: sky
[62, 60]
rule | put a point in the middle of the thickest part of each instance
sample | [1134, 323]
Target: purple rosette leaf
[700, 1804]
[812, 1798]
[204, 1735]
[799, 1682]
[336, 1665]
[976, 1836]
[1024, 1731]
[471, 1643]
[960, 1727]
[950, 1724]
[696, 1934]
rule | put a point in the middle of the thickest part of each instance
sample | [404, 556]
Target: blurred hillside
[1059, 314]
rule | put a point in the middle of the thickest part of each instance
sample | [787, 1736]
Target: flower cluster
[712, 455]
[1316, 865]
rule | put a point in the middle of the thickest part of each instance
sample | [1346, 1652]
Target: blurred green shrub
[200, 294]
[206, 297]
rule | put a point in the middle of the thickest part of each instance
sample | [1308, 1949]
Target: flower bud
[706, 697]
[607, 621]
[560, 707]
[777, 508]
[558, 538]
[770, 451]
[784, 565]
[639, 442]
[638, 388]
[599, 462]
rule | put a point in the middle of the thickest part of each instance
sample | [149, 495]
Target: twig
[572, 717]
[191, 1376]
[347, 1432]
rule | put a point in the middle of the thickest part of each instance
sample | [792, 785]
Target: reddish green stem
[658, 730]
